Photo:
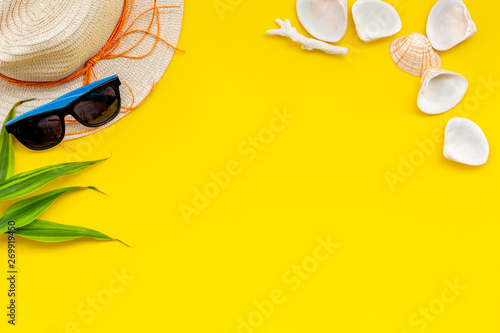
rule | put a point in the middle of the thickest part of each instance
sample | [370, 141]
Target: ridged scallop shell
[465, 142]
[441, 91]
[324, 19]
[375, 19]
[449, 24]
[414, 54]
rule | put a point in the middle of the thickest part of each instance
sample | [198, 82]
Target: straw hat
[50, 47]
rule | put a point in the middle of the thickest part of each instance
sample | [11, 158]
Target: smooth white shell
[441, 91]
[465, 142]
[449, 24]
[375, 19]
[324, 19]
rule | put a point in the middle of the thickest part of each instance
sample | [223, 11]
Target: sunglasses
[92, 105]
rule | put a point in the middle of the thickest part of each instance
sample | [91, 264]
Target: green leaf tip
[23, 101]
[7, 159]
[50, 232]
[96, 189]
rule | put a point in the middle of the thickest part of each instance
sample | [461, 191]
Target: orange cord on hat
[111, 45]
[106, 52]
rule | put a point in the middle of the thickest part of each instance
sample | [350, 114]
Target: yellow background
[323, 176]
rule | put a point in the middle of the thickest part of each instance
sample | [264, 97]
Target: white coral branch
[307, 43]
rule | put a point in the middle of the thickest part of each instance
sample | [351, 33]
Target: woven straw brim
[138, 74]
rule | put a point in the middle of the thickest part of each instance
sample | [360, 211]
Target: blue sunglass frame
[63, 106]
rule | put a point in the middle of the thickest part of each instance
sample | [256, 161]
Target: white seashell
[465, 142]
[449, 24]
[414, 54]
[441, 91]
[375, 19]
[324, 19]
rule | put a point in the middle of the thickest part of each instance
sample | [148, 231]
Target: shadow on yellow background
[253, 187]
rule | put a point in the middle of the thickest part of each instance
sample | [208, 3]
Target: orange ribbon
[111, 45]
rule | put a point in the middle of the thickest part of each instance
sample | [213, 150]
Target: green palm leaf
[7, 161]
[26, 211]
[45, 231]
[30, 181]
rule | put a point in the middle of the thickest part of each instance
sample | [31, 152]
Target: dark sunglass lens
[97, 107]
[40, 132]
